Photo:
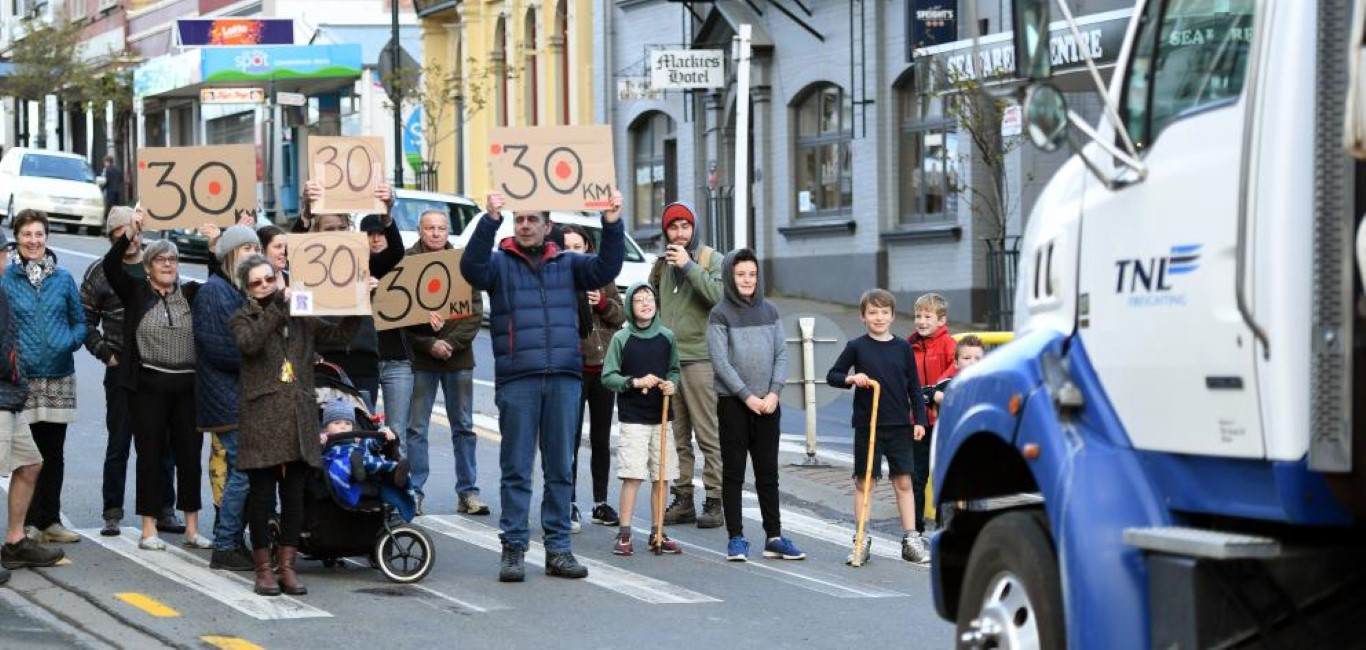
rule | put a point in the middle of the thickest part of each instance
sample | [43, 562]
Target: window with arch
[652, 165]
[562, 26]
[529, 75]
[929, 160]
[500, 64]
[824, 159]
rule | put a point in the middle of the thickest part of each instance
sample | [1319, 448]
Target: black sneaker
[604, 515]
[28, 553]
[4, 576]
[564, 565]
[112, 518]
[512, 568]
[233, 559]
[168, 522]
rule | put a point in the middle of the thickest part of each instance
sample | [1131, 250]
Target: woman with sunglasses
[159, 353]
[278, 413]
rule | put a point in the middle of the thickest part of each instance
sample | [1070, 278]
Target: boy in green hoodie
[642, 366]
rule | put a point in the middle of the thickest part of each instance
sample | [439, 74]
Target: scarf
[36, 270]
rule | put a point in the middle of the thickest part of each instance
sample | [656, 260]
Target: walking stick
[657, 535]
[861, 514]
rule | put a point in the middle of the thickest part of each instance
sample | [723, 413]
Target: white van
[60, 184]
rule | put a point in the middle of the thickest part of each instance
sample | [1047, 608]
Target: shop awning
[307, 69]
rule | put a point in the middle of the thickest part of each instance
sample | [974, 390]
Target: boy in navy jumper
[641, 358]
[882, 356]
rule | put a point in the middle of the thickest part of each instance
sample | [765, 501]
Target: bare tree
[440, 91]
[46, 62]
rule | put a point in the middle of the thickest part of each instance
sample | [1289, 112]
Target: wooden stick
[861, 513]
[658, 497]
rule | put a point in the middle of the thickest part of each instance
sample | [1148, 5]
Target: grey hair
[244, 267]
[156, 249]
[439, 211]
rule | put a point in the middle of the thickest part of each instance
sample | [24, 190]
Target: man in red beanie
[687, 279]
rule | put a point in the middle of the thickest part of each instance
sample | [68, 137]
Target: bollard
[808, 339]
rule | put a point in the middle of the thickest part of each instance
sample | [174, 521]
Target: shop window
[930, 163]
[650, 166]
[824, 160]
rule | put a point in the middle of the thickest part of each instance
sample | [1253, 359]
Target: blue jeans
[396, 384]
[458, 388]
[537, 412]
[232, 509]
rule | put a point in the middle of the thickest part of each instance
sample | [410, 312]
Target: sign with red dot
[186, 187]
[554, 167]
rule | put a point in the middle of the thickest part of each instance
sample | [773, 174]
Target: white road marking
[628, 583]
[839, 534]
[189, 570]
[463, 604]
[821, 584]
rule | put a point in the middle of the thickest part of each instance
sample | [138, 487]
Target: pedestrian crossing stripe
[628, 583]
[831, 533]
[188, 570]
[148, 604]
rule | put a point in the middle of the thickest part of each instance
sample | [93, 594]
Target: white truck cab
[1169, 454]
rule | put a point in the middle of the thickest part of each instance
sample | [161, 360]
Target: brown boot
[265, 577]
[289, 581]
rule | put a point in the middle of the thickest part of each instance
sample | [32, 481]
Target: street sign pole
[740, 220]
[397, 97]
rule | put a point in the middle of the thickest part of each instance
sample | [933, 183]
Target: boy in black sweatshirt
[887, 358]
[642, 366]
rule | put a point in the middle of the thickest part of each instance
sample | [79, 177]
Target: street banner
[186, 187]
[327, 273]
[553, 167]
[349, 168]
[419, 285]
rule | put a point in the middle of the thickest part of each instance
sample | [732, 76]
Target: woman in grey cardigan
[749, 358]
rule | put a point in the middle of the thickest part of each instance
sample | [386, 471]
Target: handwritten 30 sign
[554, 167]
[185, 187]
[419, 285]
[349, 169]
[327, 272]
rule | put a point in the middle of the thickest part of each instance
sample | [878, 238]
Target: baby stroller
[378, 527]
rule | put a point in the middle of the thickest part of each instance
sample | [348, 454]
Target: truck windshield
[1189, 55]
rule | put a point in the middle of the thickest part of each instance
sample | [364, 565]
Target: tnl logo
[1153, 275]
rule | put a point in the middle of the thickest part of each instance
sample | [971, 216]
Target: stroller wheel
[405, 554]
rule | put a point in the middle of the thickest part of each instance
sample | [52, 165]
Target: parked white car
[635, 267]
[58, 183]
[410, 204]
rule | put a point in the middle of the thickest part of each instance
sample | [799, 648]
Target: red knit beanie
[676, 211]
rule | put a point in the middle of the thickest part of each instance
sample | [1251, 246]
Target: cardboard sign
[554, 167]
[185, 187]
[419, 285]
[327, 272]
[349, 168]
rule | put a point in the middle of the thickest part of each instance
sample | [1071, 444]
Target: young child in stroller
[350, 457]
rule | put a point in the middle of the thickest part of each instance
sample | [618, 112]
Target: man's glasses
[262, 282]
[165, 260]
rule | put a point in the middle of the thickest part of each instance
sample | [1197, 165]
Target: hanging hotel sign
[687, 69]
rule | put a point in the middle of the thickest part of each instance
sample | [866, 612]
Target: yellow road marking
[148, 604]
[230, 643]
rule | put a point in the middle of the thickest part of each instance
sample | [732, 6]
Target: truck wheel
[1012, 597]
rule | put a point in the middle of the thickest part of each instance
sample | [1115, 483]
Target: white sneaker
[152, 544]
[198, 541]
[58, 534]
[575, 526]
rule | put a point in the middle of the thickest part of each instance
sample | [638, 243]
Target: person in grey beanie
[216, 388]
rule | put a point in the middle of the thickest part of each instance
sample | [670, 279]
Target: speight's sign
[1102, 35]
[930, 23]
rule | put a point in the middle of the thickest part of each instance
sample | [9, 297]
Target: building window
[529, 48]
[824, 159]
[650, 166]
[929, 165]
[562, 25]
[500, 70]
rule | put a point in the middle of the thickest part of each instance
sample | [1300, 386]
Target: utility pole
[397, 98]
[740, 220]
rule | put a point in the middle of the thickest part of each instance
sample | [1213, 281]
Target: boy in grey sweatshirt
[749, 356]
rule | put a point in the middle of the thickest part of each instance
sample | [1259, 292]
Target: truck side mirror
[1032, 58]
[1045, 111]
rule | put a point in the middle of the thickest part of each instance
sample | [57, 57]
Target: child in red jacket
[934, 355]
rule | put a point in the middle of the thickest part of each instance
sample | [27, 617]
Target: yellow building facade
[519, 63]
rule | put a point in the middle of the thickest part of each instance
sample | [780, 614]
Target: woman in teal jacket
[47, 307]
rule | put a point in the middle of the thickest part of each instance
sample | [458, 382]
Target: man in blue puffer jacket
[533, 289]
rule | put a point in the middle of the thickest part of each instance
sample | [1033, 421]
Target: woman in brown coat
[279, 413]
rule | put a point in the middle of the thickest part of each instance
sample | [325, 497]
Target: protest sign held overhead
[553, 167]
